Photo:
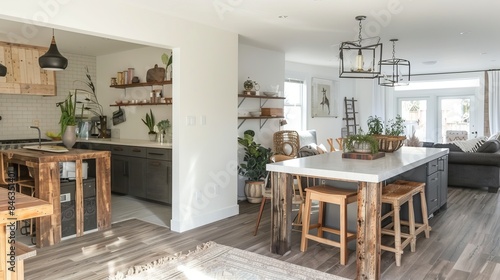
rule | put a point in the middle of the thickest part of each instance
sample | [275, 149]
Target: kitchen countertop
[127, 142]
[111, 141]
[332, 165]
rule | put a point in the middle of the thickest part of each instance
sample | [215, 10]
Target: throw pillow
[490, 146]
[309, 150]
[495, 136]
[321, 149]
[451, 147]
[471, 145]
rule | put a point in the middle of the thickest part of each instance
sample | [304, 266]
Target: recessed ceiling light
[430, 62]
[483, 53]
[282, 16]
[463, 33]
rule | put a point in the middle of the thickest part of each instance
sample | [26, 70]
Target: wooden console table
[44, 167]
[26, 207]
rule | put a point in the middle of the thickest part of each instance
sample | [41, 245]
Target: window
[431, 108]
[294, 105]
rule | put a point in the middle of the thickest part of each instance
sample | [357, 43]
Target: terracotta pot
[253, 191]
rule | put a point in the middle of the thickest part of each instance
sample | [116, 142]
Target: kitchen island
[44, 167]
[369, 175]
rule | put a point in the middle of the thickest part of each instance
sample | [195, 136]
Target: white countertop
[127, 142]
[333, 166]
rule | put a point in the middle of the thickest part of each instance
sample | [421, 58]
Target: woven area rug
[214, 261]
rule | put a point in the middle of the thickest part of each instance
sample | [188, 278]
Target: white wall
[141, 60]
[325, 127]
[204, 85]
[267, 68]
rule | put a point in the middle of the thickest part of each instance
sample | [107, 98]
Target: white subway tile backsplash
[18, 112]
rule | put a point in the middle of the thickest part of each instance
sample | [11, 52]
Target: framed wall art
[323, 98]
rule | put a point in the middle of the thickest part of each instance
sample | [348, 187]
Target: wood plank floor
[464, 244]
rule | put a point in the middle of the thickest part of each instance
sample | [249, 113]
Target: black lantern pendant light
[395, 71]
[53, 59]
[3, 70]
[360, 59]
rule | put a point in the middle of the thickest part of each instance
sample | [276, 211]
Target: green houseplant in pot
[361, 143]
[68, 120]
[164, 129]
[150, 123]
[253, 166]
[389, 136]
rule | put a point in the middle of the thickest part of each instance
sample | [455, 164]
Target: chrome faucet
[39, 136]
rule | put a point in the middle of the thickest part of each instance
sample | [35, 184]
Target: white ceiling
[435, 35]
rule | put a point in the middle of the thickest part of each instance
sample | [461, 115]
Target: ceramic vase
[69, 136]
[253, 191]
[152, 137]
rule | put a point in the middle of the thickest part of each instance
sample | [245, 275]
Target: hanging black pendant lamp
[395, 71]
[53, 59]
[361, 58]
[3, 70]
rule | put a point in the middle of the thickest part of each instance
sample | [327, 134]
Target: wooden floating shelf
[139, 104]
[260, 96]
[142, 84]
[260, 118]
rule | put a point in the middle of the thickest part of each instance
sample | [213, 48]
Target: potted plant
[68, 120]
[361, 143]
[163, 126]
[167, 60]
[150, 123]
[375, 125]
[392, 138]
[253, 166]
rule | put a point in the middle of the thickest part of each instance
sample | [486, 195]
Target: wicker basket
[388, 143]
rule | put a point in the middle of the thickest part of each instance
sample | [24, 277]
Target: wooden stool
[326, 194]
[397, 194]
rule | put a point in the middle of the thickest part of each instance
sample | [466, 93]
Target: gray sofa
[480, 169]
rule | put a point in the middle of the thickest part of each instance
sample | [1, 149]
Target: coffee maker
[94, 126]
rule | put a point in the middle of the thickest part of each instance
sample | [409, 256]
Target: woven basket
[388, 143]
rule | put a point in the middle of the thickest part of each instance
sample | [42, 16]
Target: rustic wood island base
[44, 167]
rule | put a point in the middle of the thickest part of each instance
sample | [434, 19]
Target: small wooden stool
[397, 194]
[326, 194]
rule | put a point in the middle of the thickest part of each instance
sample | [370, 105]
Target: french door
[430, 117]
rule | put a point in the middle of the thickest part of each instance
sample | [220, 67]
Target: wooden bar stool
[397, 194]
[326, 194]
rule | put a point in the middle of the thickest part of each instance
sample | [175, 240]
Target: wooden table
[369, 174]
[44, 166]
[22, 207]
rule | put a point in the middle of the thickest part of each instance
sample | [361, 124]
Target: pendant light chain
[360, 27]
[394, 50]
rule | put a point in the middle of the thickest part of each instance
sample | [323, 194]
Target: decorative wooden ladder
[351, 125]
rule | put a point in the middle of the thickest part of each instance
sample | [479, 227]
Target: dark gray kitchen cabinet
[119, 174]
[159, 175]
[128, 170]
[138, 171]
[435, 176]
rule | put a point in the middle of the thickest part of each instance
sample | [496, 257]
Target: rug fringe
[179, 255]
